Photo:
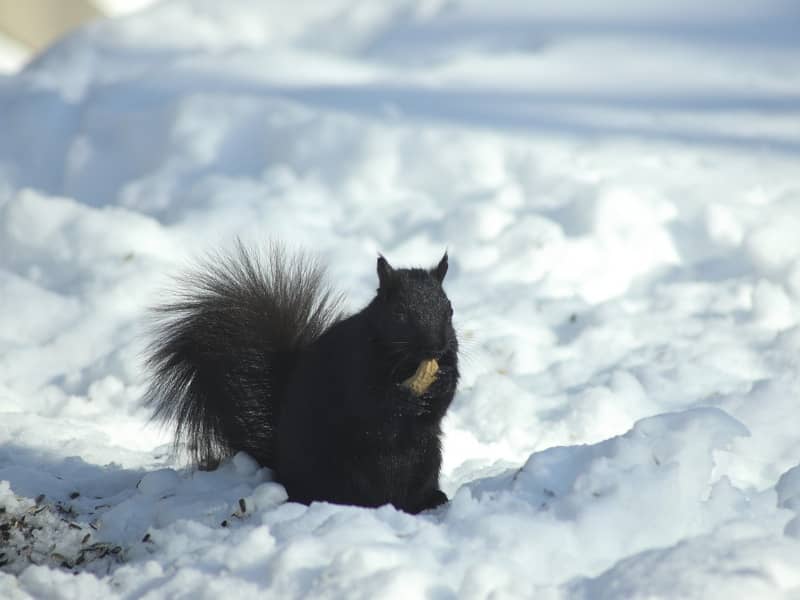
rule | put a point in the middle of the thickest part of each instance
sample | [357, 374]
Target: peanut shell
[425, 375]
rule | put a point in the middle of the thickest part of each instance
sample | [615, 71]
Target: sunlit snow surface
[618, 186]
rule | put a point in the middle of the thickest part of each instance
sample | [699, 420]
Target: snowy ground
[618, 185]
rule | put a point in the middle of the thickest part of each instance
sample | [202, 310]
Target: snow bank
[617, 188]
[568, 511]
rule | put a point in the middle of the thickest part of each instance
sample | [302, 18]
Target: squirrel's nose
[434, 352]
[432, 346]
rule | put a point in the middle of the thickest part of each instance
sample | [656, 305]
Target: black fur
[224, 349]
[255, 357]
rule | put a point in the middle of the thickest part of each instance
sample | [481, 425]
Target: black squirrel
[255, 355]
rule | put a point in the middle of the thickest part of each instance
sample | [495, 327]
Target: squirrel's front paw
[443, 385]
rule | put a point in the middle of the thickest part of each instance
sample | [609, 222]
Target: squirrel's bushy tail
[225, 345]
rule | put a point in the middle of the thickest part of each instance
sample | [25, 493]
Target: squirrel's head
[411, 311]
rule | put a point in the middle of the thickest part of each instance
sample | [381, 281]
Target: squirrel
[255, 355]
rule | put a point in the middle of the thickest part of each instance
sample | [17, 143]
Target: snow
[617, 187]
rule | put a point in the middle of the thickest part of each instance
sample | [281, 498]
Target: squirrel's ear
[385, 272]
[441, 269]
